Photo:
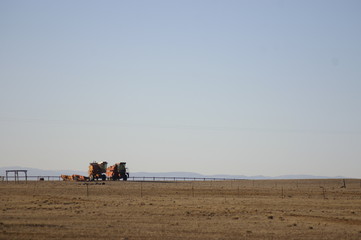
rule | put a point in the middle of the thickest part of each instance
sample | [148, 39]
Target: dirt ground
[240, 209]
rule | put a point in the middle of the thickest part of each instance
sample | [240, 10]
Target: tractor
[97, 171]
[117, 171]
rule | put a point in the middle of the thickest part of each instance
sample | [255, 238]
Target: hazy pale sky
[214, 87]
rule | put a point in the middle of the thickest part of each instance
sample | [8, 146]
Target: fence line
[32, 178]
[155, 179]
[179, 179]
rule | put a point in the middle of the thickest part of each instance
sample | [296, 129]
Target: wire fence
[132, 178]
[179, 179]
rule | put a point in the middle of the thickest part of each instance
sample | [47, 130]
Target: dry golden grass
[262, 209]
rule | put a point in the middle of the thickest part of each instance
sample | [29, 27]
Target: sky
[208, 86]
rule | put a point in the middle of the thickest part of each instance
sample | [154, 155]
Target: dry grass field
[244, 209]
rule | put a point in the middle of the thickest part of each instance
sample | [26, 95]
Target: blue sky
[231, 87]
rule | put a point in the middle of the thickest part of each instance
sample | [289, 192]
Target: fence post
[141, 189]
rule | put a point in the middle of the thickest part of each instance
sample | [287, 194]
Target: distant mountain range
[197, 175]
[41, 172]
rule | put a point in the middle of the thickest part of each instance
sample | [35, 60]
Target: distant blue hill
[41, 172]
[197, 175]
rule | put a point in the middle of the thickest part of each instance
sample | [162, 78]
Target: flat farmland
[239, 209]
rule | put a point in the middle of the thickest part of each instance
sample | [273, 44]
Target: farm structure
[16, 174]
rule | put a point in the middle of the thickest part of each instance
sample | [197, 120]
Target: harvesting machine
[97, 170]
[117, 171]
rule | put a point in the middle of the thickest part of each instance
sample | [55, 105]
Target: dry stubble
[273, 209]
